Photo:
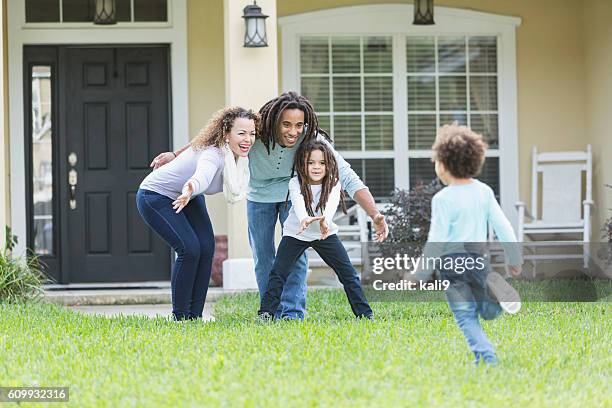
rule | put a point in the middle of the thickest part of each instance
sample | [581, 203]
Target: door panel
[117, 117]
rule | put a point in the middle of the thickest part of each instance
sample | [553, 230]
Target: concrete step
[120, 296]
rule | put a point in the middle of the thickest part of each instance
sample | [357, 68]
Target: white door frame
[396, 20]
[173, 33]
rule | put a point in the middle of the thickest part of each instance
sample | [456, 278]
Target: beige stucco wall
[207, 81]
[598, 52]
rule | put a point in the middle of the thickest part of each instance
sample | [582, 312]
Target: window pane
[420, 54]
[123, 10]
[378, 94]
[42, 163]
[42, 11]
[347, 94]
[377, 174]
[422, 93]
[421, 171]
[379, 132]
[483, 54]
[453, 93]
[377, 55]
[483, 93]
[317, 91]
[345, 55]
[490, 174]
[78, 10]
[451, 54]
[314, 55]
[450, 118]
[487, 126]
[347, 132]
[150, 10]
[324, 123]
[421, 131]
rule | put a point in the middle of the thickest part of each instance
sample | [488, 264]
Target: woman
[171, 201]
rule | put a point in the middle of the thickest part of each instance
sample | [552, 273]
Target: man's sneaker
[366, 317]
[265, 317]
[506, 295]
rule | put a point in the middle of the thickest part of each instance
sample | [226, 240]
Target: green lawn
[551, 354]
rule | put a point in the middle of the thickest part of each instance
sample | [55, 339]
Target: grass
[552, 354]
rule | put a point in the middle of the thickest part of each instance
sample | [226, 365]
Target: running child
[460, 215]
[315, 194]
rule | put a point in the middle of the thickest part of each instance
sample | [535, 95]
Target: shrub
[20, 278]
[409, 213]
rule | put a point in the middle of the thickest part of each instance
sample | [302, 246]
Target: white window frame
[173, 32]
[396, 20]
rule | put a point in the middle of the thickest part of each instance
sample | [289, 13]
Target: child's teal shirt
[270, 173]
[462, 213]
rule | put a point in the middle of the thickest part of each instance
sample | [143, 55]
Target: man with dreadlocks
[287, 121]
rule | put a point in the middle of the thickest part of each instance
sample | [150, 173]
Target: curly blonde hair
[460, 149]
[213, 134]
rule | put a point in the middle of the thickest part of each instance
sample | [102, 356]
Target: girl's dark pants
[333, 254]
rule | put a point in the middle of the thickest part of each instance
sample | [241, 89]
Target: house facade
[87, 106]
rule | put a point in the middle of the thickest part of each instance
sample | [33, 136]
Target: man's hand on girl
[381, 227]
[184, 198]
[307, 221]
[161, 159]
[324, 229]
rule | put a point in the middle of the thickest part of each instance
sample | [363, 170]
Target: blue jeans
[469, 298]
[191, 235]
[262, 218]
[333, 253]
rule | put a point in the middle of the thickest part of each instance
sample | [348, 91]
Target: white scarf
[235, 176]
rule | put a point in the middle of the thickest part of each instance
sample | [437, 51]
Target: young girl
[460, 214]
[315, 194]
[171, 202]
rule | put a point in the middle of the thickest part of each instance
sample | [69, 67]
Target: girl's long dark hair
[332, 175]
[271, 114]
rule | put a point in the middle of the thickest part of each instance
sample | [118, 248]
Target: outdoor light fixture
[255, 34]
[105, 12]
[423, 12]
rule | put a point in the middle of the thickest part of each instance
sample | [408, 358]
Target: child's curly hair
[460, 150]
[213, 134]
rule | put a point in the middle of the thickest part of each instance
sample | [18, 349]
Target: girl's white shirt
[298, 212]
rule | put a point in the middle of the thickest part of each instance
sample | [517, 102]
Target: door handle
[72, 183]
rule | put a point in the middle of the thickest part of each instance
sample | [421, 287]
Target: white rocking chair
[560, 211]
[565, 212]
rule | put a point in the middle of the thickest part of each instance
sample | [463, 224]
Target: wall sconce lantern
[105, 13]
[423, 12]
[255, 21]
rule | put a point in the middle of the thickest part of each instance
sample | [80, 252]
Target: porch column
[251, 79]
[4, 140]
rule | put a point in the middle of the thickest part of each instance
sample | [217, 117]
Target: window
[42, 160]
[351, 82]
[82, 11]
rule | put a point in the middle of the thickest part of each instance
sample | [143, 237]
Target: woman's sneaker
[508, 298]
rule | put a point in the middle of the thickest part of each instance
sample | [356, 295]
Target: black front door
[112, 115]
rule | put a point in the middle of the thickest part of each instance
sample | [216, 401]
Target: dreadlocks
[271, 114]
[302, 156]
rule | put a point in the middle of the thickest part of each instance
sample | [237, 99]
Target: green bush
[20, 278]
